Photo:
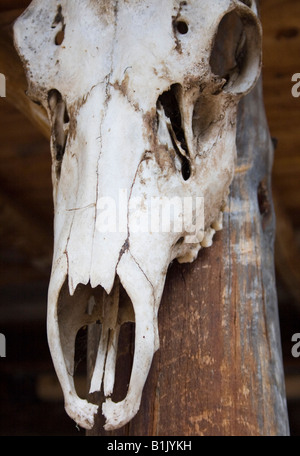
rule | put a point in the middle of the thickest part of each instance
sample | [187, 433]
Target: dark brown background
[30, 398]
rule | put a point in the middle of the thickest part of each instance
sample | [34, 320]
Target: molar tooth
[200, 235]
[208, 238]
[191, 255]
[218, 223]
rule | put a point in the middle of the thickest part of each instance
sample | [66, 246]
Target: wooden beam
[23, 233]
[8, 5]
[16, 83]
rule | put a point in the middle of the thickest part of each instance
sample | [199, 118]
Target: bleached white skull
[142, 97]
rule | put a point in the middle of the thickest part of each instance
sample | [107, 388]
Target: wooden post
[219, 368]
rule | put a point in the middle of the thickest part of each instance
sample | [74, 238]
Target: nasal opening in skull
[169, 102]
[60, 125]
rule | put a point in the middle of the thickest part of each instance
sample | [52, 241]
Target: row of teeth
[210, 232]
[205, 239]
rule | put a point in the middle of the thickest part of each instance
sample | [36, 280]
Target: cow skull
[142, 98]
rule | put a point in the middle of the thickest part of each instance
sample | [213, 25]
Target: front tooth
[200, 236]
[107, 351]
[208, 238]
[100, 362]
[110, 365]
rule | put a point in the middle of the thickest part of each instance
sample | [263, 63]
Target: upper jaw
[67, 314]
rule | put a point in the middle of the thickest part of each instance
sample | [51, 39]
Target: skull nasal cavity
[59, 122]
[170, 105]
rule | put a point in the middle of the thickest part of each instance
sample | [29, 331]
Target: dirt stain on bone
[106, 10]
[164, 157]
[123, 88]
[59, 18]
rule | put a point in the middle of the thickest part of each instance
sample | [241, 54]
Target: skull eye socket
[235, 57]
[59, 120]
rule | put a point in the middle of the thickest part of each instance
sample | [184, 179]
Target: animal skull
[142, 98]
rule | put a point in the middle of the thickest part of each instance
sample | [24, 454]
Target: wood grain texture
[281, 24]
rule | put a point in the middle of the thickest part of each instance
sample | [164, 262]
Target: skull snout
[90, 306]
